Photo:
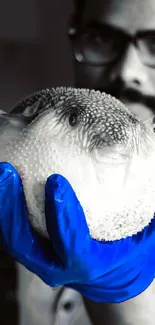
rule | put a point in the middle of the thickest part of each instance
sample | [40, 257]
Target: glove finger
[12, 209]
[16, 233]
[65, 219]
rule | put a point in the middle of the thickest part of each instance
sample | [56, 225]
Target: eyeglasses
[103, 47]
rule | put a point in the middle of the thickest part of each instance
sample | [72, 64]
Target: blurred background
[34, 48]
[34, 54]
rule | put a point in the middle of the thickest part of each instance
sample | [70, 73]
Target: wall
[34, 48]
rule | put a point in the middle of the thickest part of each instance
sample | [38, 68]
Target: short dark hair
[78, 8]
[79, 4]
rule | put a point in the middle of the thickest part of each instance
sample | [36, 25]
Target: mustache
[130, 94]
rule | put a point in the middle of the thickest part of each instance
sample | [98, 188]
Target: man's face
[107, 57]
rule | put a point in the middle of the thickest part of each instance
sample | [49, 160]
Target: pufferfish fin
[32, 105]
[10, 127]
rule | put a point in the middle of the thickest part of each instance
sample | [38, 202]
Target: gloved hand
[102, 271]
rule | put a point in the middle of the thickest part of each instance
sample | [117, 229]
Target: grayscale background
[34, 48]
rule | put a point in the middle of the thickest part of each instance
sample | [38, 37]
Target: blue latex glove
[102, 271]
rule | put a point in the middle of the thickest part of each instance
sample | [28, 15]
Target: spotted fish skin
[86, 106]
[93, 140]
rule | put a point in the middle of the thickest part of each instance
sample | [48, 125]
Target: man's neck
[138, 310]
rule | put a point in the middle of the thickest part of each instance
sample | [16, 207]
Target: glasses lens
[94, 48]
[147, 50]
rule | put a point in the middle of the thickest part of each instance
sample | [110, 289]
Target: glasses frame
[134, 39]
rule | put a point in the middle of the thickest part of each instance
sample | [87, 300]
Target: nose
[130, 70]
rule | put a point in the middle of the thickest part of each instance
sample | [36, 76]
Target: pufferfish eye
[73, 119]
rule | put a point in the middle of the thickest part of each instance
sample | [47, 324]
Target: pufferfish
[97, 144]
